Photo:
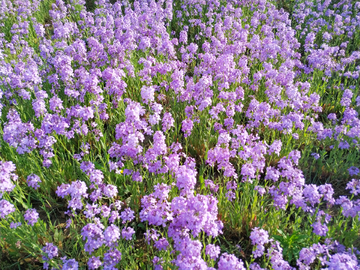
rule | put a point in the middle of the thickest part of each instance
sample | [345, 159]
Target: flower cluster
[143, 100]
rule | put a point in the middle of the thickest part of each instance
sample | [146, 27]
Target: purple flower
[255, 266]
[70, 264]
[187, 126]
[77, 189]
[354, 186]
[186, 179]
[275, 147]
[346, 98]
[136, 177]
[68, 223]
[157, 263]
[161, 244]
[167, 121]
[63, 190]
[91, 210]
[31, 216]
[6, 208]
[312, 194]
[94, 234]
[50, 251]
[319, 228]
[332, 116]
[75, 203]
[114, 215]
[111, 258]
[248, 171]
[327, 191]
[94, 263]
[259, 237]
[151, 235]
[230, 195]
[272, 174]
[14, 225]
[110, 190]
[183, 36]
[6, 175]
[133, 111]
[209, 183]
[261, 190]
[33, 181]
[230, 262]
[111, 235]
[212, 251]
[342, 261]
[127, 215]
[147, 93]
[353, 171]
[307, 256]
[315, 155]
[127, 233]
[231, 185]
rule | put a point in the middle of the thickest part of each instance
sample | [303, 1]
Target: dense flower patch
[190, 134]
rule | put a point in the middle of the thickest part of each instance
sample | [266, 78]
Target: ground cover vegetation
[185, 134]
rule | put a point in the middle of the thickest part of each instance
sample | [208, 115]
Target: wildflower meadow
[180, 134]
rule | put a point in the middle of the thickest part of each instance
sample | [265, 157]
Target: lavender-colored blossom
[259, 238]
[70, 264]
[14, 225]
[112, 257]
[354, 171]
[77, 189]
[315, 155]
[261, 190]
[167, 121]
[327, 191]
[127, 233]
[275, 147]
[212, 251]
[94, 263]
[161, 244]
[186, 179]
[114, 215]
[320, 229]
[31, 216]
[230, 195]
[147, 93]
[63, 190]
[6, 208]
[254, 67]
[6, 175]
[68, 223]
[50, 251]
[91, 210]
[307, 256]
[33, 181]
[342, 261]
[110, 190]
[312, 194]
[93, 232]
[111, 235]
[209, 183]
[354, 186]
[157, 263]
[75, 203]
[230, 262]
[255, 266]
[187, 126]
[127, 215]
